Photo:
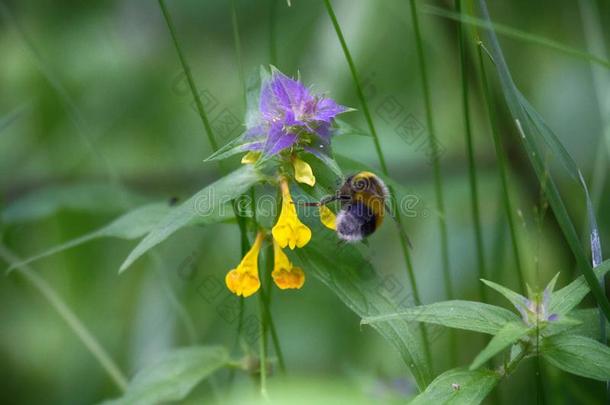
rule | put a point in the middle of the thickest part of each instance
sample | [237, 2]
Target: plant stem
[262, 343]
[64, 311]
[512, 364]
[189, 76]
[237, 42]
[502, 167]
[266, 297]
[438, 187]
[472, 170]
[382, 162]
[272, 32]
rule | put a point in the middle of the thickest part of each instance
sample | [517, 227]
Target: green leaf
[578, 355]
[588, 323]
[173, 376]
[561, 325]
[237, 145]
[352, 278]
[467, 315]
[535, 134]
[343, 128]
[564, 300]
[97, 198]
[131, 225]
[509, 334]
[518, 300]
[458, 386]
[204, 206]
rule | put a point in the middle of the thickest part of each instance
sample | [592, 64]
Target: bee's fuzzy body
[363, 200]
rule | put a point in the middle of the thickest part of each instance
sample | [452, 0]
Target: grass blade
[472, 169]
[531, 130]
[64, 311]
[404, 244]
[502, 168]
[516, 34]
[438, 186]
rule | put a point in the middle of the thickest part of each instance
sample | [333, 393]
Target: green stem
[404, 244]
[509, 368]
[64, 311]
[266, 297]
[272, 32]
[262, 343]
[189, 76]
[237, 42]
[502, 168]
[472, 170]
[438, 187]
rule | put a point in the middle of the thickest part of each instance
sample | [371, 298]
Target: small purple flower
[289, 114]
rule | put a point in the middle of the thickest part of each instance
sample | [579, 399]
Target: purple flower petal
[553, 317]
[290, 94]
[327, 110]
[324, 131]
[278, 140]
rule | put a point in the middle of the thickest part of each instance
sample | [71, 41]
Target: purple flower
[289, 114]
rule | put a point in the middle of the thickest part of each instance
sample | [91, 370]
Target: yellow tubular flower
[284, 274]
[289, 231]
[250, 157]
[328, 218]
[243, 280]
[303, 172]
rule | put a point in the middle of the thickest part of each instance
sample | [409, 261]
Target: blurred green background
[93, 93]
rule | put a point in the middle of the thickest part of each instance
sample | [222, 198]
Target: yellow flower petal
[284, 274]
[250, 157]
[289, 231]
[303, 172]
[328, 218]
[243, 280]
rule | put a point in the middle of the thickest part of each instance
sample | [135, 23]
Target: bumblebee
[363, 198]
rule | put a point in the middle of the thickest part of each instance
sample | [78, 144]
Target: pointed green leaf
[352, 278]
[97, 198]
[560, 325]
[518, 300]
[508, 335]
[205, 205]
[467, 315]
[588, 323]
[564, 300]
[237, 145]
[578, 355]
[173, 376]
[343, 128]
[458, 386]
[131, 225]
